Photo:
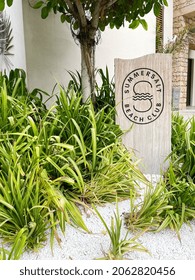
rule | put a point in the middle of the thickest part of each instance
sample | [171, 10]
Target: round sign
[143, 96]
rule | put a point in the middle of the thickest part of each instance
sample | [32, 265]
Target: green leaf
[148, 8]
[76, 25]
[44, 13]
[9, 2]
[165, 3]
[134, 24]
[2, 5]
[64, 18]
[101, 26]
[157, 9]
[38, 5]
[111, 25]
[65, 146]
[144, 24]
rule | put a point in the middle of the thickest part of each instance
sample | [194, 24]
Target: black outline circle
[162, 95]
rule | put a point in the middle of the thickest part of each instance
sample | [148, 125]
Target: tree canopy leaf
[44, 12]
[99, 14]
[2, 5]
[9, 2]
[38, 5]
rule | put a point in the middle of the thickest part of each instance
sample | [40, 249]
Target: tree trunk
[88, 71]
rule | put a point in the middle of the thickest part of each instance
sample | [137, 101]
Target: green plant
[147, 214]
[87, 19]
[183, 146]
[75, 82]
[52, 160]
[16, 88]
[119, 245]
[115, 176]
[178, 132]
[21, 198]
[172, 202]
[105, 90]
[30, 198]
[17, 247]
[181, 199]
[98, 151]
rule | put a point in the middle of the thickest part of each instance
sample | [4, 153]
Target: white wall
[19, 57]
[51, 50]
[126, 43]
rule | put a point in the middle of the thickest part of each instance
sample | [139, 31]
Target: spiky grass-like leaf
[119, 245]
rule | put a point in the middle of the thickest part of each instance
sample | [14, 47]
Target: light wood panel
[143, 99]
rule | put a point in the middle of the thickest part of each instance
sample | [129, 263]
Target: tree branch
[95, 18]
[107, 4]
[72, 8]
[81, 13]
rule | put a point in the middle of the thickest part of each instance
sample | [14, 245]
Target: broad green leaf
[148, 8]
[157, 9]
[9, 2]
[111, 24]
[38, 5]
[134, 24]
[165, 3]
[144, 24]
[63, 18]
[44, 13]
[2, 5]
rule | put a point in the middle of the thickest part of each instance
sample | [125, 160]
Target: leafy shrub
[17, 247]
[147, 214]
[102, 166]
[172, 202]
[105, 92]
[104, 89]
[52, 160]
[183, 146]
[16, 88]
[119, 245]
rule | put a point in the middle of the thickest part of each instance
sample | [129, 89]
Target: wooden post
[143, 101]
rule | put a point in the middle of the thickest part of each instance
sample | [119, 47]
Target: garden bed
[79, 245]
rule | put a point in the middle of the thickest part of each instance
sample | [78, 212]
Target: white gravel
[78, 245]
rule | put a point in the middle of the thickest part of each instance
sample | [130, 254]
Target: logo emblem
[143, 96]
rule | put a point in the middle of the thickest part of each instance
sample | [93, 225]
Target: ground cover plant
[53, 160]
[172, 201]
[119, 245]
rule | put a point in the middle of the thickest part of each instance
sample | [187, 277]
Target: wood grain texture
[143, 99]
